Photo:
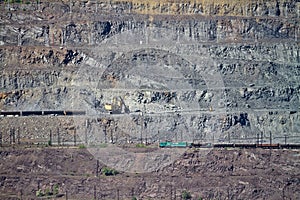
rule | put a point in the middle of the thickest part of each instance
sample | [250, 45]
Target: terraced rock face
[194, 70]
[144, 72]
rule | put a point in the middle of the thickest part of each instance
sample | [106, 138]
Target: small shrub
[39, 193]
[55, 189]
[186, 195]
[48, 192]
[109, 172]
[140, 146]
[133, 198]
[49, 142]
[82, 146]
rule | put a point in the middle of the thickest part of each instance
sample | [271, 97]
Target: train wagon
[201, 145]
[173, 144]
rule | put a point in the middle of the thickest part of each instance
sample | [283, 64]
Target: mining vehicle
[117, 106]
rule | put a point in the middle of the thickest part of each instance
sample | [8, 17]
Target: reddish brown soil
[221, 174]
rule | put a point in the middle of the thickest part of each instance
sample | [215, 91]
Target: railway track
[46, 112]
[175, 111]
[263, 146]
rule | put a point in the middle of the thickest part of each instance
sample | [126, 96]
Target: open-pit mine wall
[209, 71]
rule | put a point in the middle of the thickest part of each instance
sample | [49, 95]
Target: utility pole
[18, 135]
[97, 168]
[105, 134]
[58, 138]
[75, 137]
[21, 194]
[50, 139]
[175, 193]
[132, 192]
[118, 194]
[10, 138]
[285, 139]
[142, 125]
[0, 138]
[228, 193]
[95, 192]
[14, 135]
[111, 133]
[213, 137]
[86, 130]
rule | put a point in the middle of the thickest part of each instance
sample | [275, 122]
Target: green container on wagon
[173, 144]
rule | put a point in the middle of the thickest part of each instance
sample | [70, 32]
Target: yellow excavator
[117, 106]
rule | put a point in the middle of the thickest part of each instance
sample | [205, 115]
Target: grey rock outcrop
[213, 72]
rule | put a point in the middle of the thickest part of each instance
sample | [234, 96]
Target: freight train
[228, 145]
[40, 112]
